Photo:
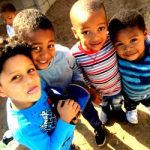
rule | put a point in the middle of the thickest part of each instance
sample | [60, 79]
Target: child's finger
[60, 103]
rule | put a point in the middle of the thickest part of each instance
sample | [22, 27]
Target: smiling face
[91, 29]
[20, 82]
[43, 47]
[129, 43]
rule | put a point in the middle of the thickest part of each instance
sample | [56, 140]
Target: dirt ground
[120, 135]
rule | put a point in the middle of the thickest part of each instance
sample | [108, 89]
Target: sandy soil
[120, 135]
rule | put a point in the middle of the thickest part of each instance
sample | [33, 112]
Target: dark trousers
[131, 105]
[91, 115]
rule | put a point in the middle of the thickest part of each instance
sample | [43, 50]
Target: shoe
[100, 137]
[132, 116]
[7, 137]
[74, 147]
[119, 115]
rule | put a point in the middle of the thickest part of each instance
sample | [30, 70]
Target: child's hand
[95, 96]
[68, 109]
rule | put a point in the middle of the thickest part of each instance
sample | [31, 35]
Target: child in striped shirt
[129, 35]
[95, 54]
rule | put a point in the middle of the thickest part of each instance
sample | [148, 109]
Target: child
[29, 112]
[129, 35]
[95, 53]
[57, 67]
[8, 13]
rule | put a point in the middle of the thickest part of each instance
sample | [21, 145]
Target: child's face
[91, 30]
[130, 43]
[19, 81]
[43, 47]
[8, 17]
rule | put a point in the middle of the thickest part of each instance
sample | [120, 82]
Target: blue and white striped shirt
[135, 76]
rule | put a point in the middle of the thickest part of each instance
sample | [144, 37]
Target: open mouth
[43, 61]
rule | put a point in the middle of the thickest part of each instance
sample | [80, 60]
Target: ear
[145, 33]
[2, 93]
[75, 33]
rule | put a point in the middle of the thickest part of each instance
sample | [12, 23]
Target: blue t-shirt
[37, 127]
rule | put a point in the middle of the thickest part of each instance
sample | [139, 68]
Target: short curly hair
[125, 19]
[11, 47]
[30, 20]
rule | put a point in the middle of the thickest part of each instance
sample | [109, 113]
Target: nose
[127, 47]
[44, 53]
[96, 36]
[28, 79]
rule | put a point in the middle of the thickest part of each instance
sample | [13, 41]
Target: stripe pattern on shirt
[136, 77]
[100, 68]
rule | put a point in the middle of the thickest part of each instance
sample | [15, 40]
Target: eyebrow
[14, 72]
[41, 42]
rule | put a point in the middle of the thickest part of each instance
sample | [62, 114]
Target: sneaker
[100, 137]
[132, 116]
[74, 147]
[119, 115]
[7, 137]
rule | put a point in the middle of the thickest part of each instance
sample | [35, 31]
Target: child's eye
[85, 32]
[118, 44]
[31, 70]
[101, 28]
[133, 40]
[36, 48]
[16, 77]
[51, 46]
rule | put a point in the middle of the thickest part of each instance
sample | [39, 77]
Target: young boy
[129, 35]
[8, 13]
[95, 53]
[57, 67]
[29, 112]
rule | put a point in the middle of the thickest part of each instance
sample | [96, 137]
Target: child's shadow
[141, 131]
[112, 142]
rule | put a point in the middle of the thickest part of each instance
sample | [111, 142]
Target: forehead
[87, 17]
[129, 31]
[21, 60]
[7, 14]
[41, 36]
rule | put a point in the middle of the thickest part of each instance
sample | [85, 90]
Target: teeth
[43, 61]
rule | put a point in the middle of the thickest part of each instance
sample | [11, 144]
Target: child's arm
[60, 138]
[35, 139]
[77, 72]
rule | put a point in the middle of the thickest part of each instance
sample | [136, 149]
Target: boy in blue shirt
[30, 116]
[129, 35]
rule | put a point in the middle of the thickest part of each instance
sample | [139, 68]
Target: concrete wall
[43, 5]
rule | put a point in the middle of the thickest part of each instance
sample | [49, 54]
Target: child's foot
[120, 115]
[132, 116]
[7, 137]
[100, 137]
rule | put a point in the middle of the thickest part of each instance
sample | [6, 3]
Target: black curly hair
[11, 47]
[7, 7]
[30, 20]
[125, 19]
